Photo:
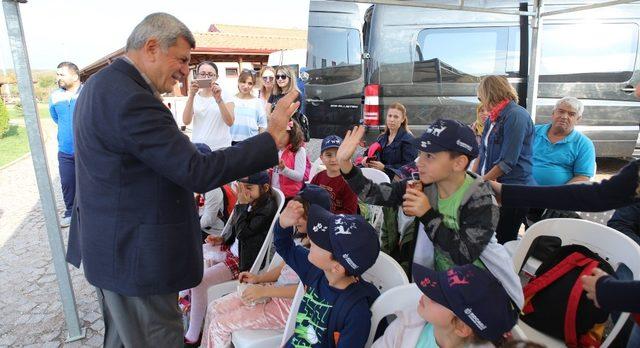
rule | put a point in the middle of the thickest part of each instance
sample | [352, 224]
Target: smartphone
[415, 182]
[204, 83]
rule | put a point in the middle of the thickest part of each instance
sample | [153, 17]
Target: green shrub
[4, 119]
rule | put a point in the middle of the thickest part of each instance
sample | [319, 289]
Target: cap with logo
[330, 142]
[473, 294]
[448, 135]
[315, 194]
[352, 241]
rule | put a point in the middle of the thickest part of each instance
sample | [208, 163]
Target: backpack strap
[572, 261]
[345, 303]
[570, 334]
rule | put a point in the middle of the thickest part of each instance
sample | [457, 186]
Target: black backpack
[303, 121]
[555, 297]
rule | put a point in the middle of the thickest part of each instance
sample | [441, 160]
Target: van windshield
[333, 55]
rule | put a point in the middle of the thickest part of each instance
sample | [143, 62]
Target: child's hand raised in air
[415, 203]
[291, 214]
[248, 277]
[348, 148]
[214, 240]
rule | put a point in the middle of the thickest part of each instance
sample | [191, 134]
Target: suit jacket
[134, 225]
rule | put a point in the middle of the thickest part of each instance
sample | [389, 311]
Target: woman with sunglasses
[211, 117]
[267, 81]
[285, 83]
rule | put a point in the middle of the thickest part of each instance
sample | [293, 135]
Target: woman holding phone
[205, 106]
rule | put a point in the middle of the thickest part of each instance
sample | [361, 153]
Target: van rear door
[334, 63]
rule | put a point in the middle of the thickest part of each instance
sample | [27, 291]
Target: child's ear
[461, 329]
[337, 268]
[461, 162]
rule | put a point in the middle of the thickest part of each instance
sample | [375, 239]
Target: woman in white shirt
[249, 113]
[211, 117]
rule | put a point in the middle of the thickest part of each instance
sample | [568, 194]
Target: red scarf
[495, 112]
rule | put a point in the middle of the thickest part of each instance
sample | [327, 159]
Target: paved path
[29, 296]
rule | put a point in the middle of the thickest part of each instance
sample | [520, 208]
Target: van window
[231, 72]
[588, 52]
[460, 54]
[333, 55]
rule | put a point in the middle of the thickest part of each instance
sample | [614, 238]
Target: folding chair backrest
[386, 273]
[396, 299]
[291, 320]
[377, 176]
[611, 245]
[264, 254]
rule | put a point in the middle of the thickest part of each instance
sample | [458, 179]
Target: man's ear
[150, 48]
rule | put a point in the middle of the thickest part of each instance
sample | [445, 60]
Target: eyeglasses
[281, 77]
[268, 78]
[209, 75]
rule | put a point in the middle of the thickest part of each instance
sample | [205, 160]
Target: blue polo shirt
[61, 106]
[555, 164]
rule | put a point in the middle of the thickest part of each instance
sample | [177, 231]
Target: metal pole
[38, 155]
[536, 39]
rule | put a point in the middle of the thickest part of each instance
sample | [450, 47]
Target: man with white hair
[134, 226]
[561, 154]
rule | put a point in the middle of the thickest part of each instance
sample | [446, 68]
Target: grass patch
[13, 145]
[43, 111]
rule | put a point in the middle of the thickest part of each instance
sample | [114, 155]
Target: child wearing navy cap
[343, 200]
[334, 311]
[461, 307]
[455, 212]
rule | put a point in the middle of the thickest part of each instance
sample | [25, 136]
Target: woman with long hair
[395, 144]
[505, 147]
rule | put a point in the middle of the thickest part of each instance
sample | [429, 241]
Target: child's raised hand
[415, 203]
[243, 195]
[291, 214]
[247, 277]
[214, 240]
[348, 148]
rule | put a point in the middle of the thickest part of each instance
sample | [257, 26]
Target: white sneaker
[65, 221]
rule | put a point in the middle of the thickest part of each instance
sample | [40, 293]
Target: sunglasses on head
[281, 77]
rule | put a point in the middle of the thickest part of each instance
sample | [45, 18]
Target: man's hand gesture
[280, 117]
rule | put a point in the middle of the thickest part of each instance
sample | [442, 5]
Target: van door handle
[315, 102]
[628, 89]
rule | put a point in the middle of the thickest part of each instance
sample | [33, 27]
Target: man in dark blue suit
[135, 227]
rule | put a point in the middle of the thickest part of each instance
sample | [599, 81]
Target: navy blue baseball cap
[352, 241]
[474, 295]
[315, 194]
[259, 178]
[202, 148]
[448, 135]
[330, 142]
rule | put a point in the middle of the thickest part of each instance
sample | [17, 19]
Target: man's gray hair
[573, 102]
[163, 27]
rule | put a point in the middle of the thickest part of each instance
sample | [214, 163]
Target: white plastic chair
[611, 245]
[258, 338]
[291, 320]
[264, 254]
[396, 299]
[316, 167]
[386, 273]
[376, 215]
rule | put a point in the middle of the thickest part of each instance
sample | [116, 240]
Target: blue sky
[82, 31]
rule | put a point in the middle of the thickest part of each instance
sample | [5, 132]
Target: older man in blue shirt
[561, 154]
